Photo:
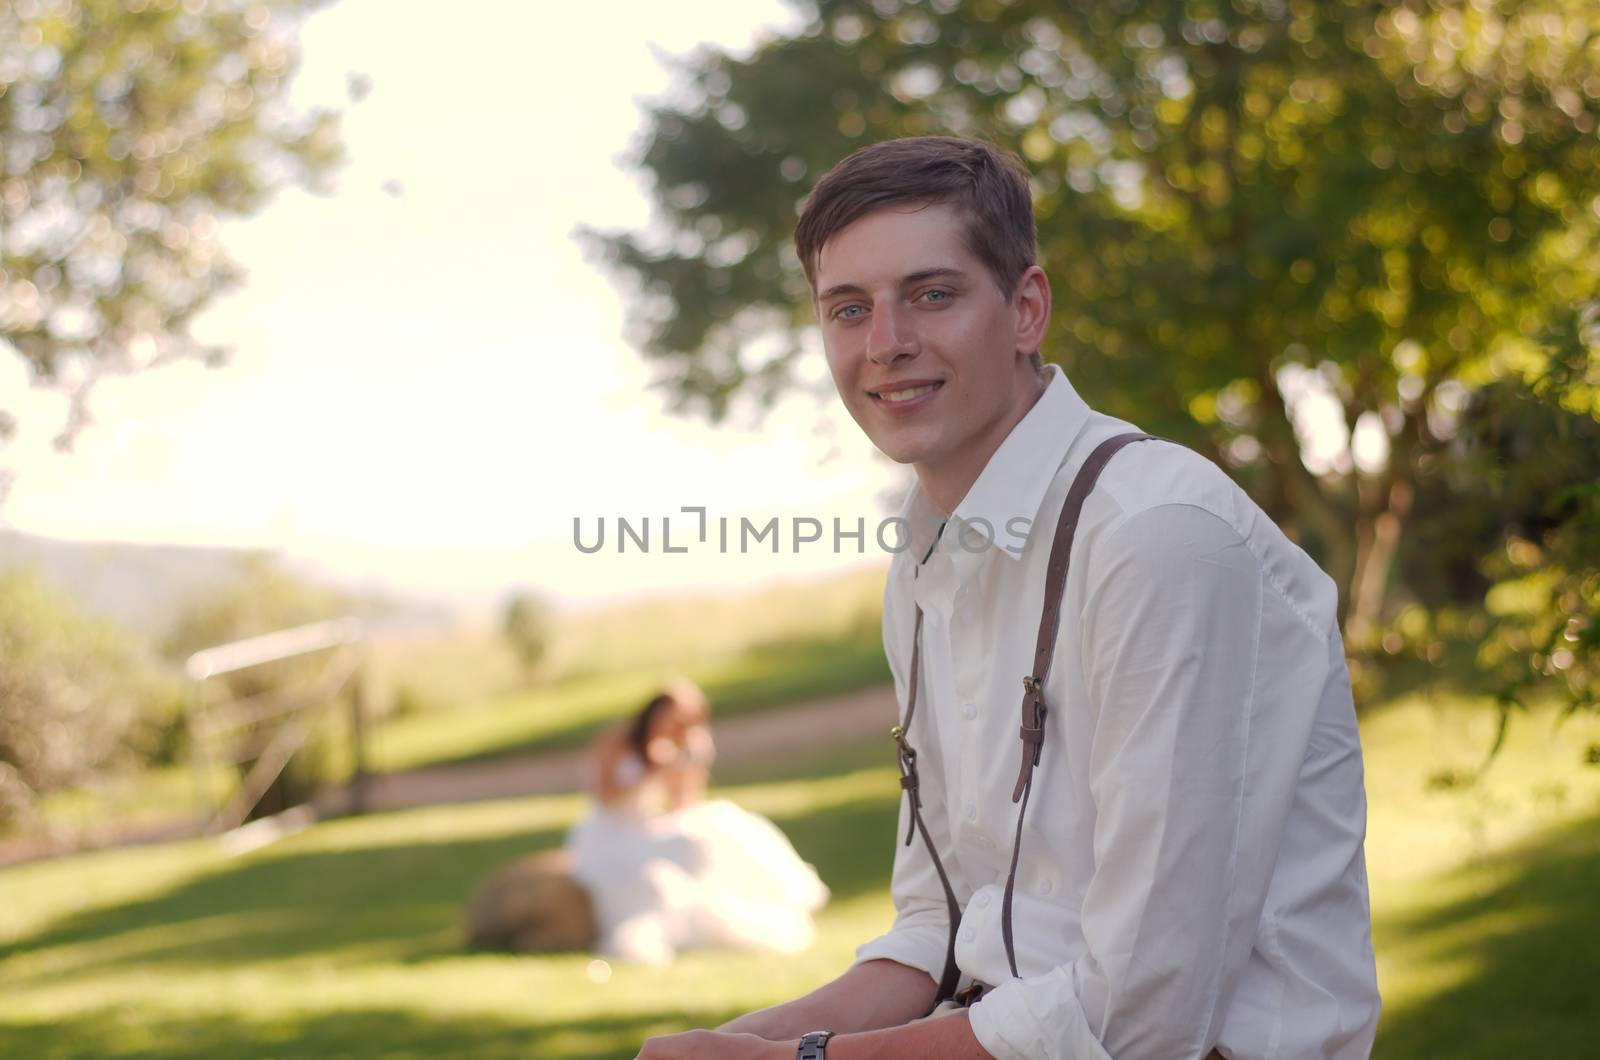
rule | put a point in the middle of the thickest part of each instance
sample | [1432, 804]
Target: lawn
[762, 676]
[341, 941]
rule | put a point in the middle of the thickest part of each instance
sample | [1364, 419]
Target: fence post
[358, 741]
[200, 760]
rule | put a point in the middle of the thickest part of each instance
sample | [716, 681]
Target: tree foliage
[128, 131]
[1251, 211]
[526, 625]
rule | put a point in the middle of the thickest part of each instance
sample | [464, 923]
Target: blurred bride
[668, 869]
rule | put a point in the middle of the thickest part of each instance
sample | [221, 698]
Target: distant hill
[144, 587]
[139, 586]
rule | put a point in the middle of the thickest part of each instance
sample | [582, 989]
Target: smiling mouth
[904, 394]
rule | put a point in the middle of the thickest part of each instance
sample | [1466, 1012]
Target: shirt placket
[934, 589]
[951, 575]
[972, 719]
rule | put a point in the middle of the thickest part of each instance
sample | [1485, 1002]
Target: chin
[906, 460]
[901, 450]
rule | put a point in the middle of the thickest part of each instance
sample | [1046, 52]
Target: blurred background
[328, 332]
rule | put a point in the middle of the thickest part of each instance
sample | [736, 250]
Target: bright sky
[428, 388]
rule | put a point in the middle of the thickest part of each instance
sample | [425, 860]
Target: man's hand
[715, 1045]
[873, 994]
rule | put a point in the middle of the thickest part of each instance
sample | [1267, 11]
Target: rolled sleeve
[1027, 1019]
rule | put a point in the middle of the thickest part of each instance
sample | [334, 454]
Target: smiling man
[1167, 865]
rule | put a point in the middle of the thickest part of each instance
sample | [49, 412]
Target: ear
[1030, 303]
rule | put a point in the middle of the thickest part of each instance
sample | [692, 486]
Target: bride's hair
[639, 731]
[680, 693]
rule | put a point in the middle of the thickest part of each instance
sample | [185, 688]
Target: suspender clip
[1033, 734]
[1031, 731]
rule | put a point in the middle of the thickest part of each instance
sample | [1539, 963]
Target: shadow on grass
[389, 1033]
[392, 906]
[397, 902]
[1534, 941]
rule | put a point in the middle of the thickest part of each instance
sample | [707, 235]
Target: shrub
[76, 694]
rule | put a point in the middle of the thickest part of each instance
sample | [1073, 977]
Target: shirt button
[969, 711]
[983, 900]
[972, 811]
[967, 934]
[1046, 887]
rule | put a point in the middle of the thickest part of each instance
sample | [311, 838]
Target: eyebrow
[938, 272]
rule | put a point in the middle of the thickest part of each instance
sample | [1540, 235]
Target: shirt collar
[1013, 483]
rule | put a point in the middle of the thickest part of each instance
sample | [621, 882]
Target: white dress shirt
[1192, 871]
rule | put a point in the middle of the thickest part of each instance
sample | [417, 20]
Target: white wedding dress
[710, 874]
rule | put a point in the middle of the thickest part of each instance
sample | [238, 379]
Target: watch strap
[813, 1045]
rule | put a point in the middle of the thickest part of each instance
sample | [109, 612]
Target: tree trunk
[1384, 511]
[1314, 504]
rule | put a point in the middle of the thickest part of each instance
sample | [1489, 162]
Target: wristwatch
[813, 1046]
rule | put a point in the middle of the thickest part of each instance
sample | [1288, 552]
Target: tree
[1515, 524]
[526, 626]
[1251, 212]
[129, 130]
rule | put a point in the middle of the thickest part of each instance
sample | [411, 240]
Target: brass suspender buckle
[1033, 727]
[909, 781]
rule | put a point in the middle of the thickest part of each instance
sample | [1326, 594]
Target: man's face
[922, 345]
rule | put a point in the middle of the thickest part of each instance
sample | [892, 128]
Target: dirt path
[740, 739]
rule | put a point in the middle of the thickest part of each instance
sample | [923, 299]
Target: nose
[892, 336]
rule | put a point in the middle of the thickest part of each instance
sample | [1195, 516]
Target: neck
[947, 482]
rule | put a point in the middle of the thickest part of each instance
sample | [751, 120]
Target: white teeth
[906, 395]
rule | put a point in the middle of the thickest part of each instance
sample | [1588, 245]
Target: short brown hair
[989, 186]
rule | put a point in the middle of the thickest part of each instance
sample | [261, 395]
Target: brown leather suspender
[910, 781]
[1034, 710]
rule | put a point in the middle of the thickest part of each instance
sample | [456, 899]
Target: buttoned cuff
[921, 948]
[1035, 1019]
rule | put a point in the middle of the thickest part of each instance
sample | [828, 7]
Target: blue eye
[842, 312]
[943, 296]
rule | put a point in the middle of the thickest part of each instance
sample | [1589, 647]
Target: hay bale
[532, 905]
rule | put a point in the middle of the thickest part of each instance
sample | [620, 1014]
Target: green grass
[666, 632]
[342, 940]
[781, 644]
[761, 677]
[1484, 884]
[132, 797]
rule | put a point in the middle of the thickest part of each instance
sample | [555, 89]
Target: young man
[1189, 879]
